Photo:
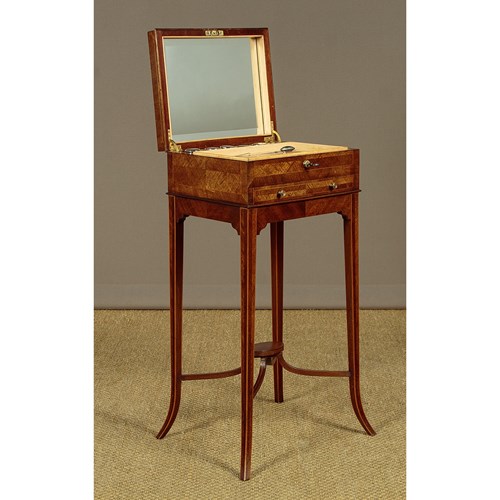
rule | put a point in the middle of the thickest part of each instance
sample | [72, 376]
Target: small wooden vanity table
[232, 167]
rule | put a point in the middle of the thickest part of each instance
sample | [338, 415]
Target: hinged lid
[212, 87]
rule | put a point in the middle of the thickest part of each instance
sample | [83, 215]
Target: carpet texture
[309, 447]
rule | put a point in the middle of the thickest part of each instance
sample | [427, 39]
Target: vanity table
[216, 120]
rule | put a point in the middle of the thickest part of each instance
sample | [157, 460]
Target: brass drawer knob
[281, 193]
[309, 164]
[332, 186]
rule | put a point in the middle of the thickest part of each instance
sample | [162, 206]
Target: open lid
[212, 87]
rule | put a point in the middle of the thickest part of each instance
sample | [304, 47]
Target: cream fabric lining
[269, 151]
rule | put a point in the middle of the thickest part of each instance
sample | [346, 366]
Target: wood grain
[277, 236]
[243, 193]
[161, 122]
[157, 58]
[257, 182]
[176, 246]
[248, 244]
[249, 221]
[209, 210]
[298, 190]
[352, 308]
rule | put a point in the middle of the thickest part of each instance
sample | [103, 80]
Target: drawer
[302, 168]
[303, 189]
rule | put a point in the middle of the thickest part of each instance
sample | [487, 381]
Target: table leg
[277, 301]
[176, 244]
[352, 303]
[248, 239]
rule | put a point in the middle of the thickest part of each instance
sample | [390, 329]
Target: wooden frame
[250, 193]
[159, 79]
[248, 222]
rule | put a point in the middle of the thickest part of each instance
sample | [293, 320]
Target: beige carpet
[309, 447]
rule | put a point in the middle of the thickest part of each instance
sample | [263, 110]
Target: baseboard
[228, 297]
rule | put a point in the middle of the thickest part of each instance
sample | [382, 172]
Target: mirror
[216, 87]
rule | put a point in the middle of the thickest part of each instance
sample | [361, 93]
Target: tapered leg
[248, 237]
[277, 301]
[176, 243]
[352, 303]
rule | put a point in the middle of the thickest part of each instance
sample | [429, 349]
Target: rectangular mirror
[212, 88]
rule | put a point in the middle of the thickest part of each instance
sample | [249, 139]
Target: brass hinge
[274, 137]
[214, 32]
[172, 145]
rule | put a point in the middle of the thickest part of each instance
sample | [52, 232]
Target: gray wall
[339, 78]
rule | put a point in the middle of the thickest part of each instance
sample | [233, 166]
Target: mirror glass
[213, 88]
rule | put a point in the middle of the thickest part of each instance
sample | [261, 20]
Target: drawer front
[303, 189]
[303, 168]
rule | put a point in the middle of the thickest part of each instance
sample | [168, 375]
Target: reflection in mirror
[213, 88]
